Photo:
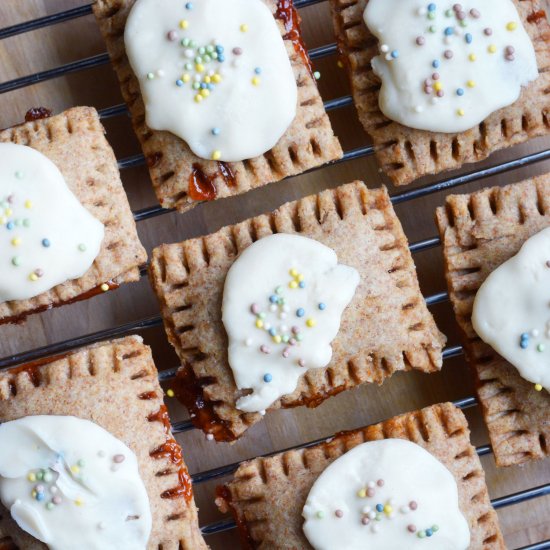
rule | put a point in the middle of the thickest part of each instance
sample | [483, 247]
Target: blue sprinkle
[524, 344]
[525, 336]
[449, 31]
[40, 496]
[179, 82]
[460, 91]
[258, 70]
[9, 226]
[221, 58]
[272, 332]
[435, 63]
[203, 85]
[189, 6]
[219, 49]
[300, 312]
[302, 284]
[379, 508]
[322, 306]
[268, 378]
[468, 37]
[273, 298]
[431, 7]
[210, 86]
[46, 243]
[429, 532]
[395, 54]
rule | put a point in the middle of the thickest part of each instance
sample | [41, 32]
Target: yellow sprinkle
[104, 287]
[277, 339]
[205, 92]
[538, 387]
[460, 112]
[311, 322]
[259, 323]
[512, 26]
[256, 81]
[438, 86]
[340, 64]
[170, 393]
[492, 48]
[199, 67]
[33, 494]
[472, 57]
[216, 155]
[388, 509]
[78, 502]
[75, 469]
[293, 273]
[28, 204]
[8, 212]
[293, 284]
[3, 220]
[186, 77]
[244, 27]
[362, 493]
[198, 98]
[16, 241]
[33, 277]
[184, 24]
[471, 84]
[216, 78]
[31, 477]
[207, 79]
[300, 277]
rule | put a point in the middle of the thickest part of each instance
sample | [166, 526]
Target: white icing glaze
[256, 282]
[93, 496]
[340, 511]
[254, 102]
[46, 236]
[488, 81]
[513, 306]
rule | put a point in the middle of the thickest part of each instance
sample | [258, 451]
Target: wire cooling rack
[153, 211]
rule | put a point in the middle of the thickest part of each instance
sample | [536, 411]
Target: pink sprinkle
[488, 31]
[475, 13]
[11, 198]
[413, 505]
[295, 330]
[39, 272]
[448, 54]
[440, 93]
[461, 15]
[237, 51]
[117, 459]
[435, 76]
[457, 7]
[371, 492]
[255, 308]
[172, 35]
[39, 488]
[301, 362]
[365, 520]
[411, 528]
[56, 500]
[339, 513]
[380, 483]
[292, 341]
[548, 263]
[265, 349]
[286, 352]
[428, 90]
[510, 57]
[509, 49]
[420, 40]
[427, 82]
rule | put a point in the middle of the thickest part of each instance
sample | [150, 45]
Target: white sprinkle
[434, 100]
[267, 326]
[448, 39]
[384, 48]
[388, 57]
[210, 437]
[101, 525]
[371, 485]
[286, 309]
[282, 315]
[372, 514]
[418, 109]
[197, 78]
[262, 413]
[53, 489]
[101, 454]
[273, 307]
[422, 11]
[160, 73]
[535, 332]
[375, 528]
[404, 509]
[283, 328]
[189, 53]
[391, 515]
[366, 509]
[211, 72]
[248, 342]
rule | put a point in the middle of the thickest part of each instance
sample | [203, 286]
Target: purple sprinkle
[255, 309]
[475, 13]
[461, 15]
[488, 31]
[510, 57]
[265, 349]
[440, 93]
[301, 362]
[448, 54]
[420, 40]
[172, 35]
[56, 500]
[435, 76]
[380, 483]
[509, 50]
[39, 272]
[117, 459]
[237, 51]
[428, 90]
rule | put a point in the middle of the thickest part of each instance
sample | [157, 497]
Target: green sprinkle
[81, 463]
[19, 175]
[435, 528]
[196, 86]
[16, 261]
[299, 337]
[431, 15]
[189, 66]
[150, 76]
[82, 247]
[449, 13]
[421, 534]
[279, 290]
[261, 315]
[432, 28]
[202, 50]
[198, 59]
[185, 42]
[540, 347]
[464, 23]
[49, 505]
[27, 222]
[317, 75]
[210, 48]
[40, 474]
[320, 514]
[48, 477]
[206, 58]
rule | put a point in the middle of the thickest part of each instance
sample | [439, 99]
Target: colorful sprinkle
[268, 378]
[216, 155]
[244, 27]
[104, 287]
[170, 393]
[511, 26]
[538, 387]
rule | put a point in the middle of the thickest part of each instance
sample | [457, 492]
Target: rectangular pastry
[268, 496]
[385, 328]
[471, 38]
[85, 407]
[66, 228]
[227, 142]
[479, 233]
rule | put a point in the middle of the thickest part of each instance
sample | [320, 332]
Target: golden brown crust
[114, 384]
[308, 142]
[406, 154]
[92, 175]
[479, 232]
[267, 495]
[386, 327]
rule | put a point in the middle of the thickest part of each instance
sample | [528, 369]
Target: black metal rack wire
[153, 211]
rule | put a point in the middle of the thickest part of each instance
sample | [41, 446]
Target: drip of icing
[512, 310]
[446, 67]
[71, 484]
[214, 73]
[385, 495]
[282, 304]
[46, 236]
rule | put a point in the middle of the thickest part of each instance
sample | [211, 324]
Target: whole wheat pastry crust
[385, 328]
[114, 384]
[406, 154]
[75, 142]
[479, 232]
[180, 178]
[267, 495]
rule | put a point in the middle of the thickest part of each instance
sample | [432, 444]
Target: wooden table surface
[52, 46]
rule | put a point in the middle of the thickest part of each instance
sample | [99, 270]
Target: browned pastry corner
[267, 495]
[180, 177]
[93, 176]
[406, 154]
[479, 232]
[385, 328]
[98, 384]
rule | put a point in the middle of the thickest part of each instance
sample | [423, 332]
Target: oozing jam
[202, 186]
[37, 113]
